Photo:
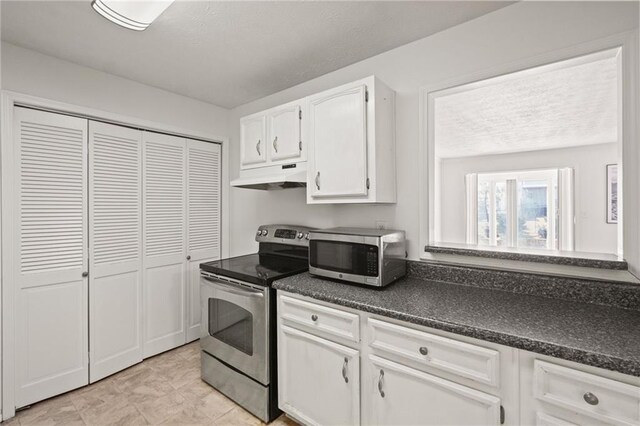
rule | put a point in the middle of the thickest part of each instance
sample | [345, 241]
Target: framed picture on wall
[612, 193]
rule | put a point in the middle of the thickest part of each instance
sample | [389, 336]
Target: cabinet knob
[188, 257]
[258, 147]
[275, 144]
[380, 378]
[590, 398]
[424, 350]
[85, 274]
[318, 181]
[314, 317]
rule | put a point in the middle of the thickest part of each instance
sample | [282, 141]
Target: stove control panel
[284, 234]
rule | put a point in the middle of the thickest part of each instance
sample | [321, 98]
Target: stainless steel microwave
[374, 257]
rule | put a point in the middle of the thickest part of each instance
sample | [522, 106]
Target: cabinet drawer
[462, 359]
[314, 317]
[544, 419]
[600, 398]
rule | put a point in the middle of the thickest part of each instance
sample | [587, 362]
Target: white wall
[29, 72]
[511, 34]
[592, 232]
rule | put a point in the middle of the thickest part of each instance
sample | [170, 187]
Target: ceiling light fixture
[135, 15]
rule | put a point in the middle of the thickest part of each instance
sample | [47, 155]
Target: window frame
[625, 46]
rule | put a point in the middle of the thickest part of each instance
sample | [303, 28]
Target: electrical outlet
[381, 224]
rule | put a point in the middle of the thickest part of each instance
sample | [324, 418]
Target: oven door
[235, 324]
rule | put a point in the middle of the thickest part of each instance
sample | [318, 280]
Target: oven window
[231, 324]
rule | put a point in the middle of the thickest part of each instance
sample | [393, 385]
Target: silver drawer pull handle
[258, 147]
[344, 370]
[423, 350]
[314, 318]
[275, 144]
[318, 181]
[591, 399]
[380, 383]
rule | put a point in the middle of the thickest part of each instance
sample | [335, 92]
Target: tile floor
[165, 389]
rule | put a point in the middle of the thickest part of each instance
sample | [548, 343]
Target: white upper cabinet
[253, 134]
[338, 129]
[352, 144]
[285, 139]
[272, 137]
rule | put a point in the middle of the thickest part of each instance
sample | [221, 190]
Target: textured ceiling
[230, 53]
[557, 109]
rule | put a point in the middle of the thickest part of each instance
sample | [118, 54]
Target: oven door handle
[239, 291]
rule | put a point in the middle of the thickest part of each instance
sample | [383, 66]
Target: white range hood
[273, 177]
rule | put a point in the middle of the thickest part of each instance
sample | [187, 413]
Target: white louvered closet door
[115, 236]
[164, 235]
[50, 256]
[203, 221]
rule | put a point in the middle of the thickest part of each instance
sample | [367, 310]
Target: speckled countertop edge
[596, 359]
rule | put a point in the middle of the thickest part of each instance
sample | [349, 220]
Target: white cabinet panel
[165, 227]
[203, 217]
[424, 349]
[164, 308]
[203, 199]
[52, 345]
[253, 144]
[115, 326]
[50, 240]
[115, 228]
[400, 395]
[351, 137]
[284, 133]
[577, 391]
[318, 319]
[338, 137]
[319, 381]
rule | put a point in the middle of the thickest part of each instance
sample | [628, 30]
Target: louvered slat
[51, 197]
[164, 199]
[116, 197]
[203, 183]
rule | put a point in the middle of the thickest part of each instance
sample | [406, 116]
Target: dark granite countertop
[597, 335]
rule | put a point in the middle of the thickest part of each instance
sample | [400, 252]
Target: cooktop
[258, 268]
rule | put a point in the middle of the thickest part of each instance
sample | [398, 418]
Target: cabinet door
[48, 253]
[319, 381]
[203, 222]
[253, 144]
[284, 134]
[164, 233]
[338, 135]
[400, 395]
[115, 230]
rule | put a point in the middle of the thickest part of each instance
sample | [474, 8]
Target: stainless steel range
[238, 336]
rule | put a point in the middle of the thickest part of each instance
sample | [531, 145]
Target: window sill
[576, 265]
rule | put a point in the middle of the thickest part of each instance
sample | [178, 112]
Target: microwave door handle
[239, 291]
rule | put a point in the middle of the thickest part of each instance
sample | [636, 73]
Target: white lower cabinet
[414, 375]
[562, 393]
[319, 380]
[401, 395]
